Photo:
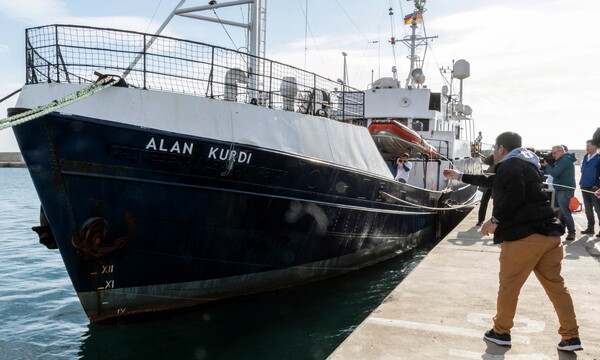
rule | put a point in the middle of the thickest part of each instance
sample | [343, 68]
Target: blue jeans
[562, 200]
[590, 203]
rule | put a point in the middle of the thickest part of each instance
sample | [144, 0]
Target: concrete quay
[443, 307]
[11, 159]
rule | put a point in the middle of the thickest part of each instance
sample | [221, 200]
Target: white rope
[574, 188]
[428, 207]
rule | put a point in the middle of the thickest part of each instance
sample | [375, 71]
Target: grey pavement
[443, 307]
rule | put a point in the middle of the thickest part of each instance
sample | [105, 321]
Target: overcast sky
[534, 63]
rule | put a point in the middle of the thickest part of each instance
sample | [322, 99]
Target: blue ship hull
[147, 220]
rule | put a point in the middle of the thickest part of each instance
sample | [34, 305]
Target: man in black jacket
[487, 192]
[525, 224]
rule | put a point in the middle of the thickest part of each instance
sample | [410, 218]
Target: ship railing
[486, 149]
[71, 54]
[442, 146]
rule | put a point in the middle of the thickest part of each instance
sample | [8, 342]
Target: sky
[534, 64]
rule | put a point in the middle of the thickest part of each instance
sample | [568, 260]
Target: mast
[417, 14]
[257, 23]
[255, 28]
[413, 41]
[149, 43]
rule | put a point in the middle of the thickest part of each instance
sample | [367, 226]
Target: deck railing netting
[71, 54]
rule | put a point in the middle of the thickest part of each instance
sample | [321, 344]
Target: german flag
[409, 18]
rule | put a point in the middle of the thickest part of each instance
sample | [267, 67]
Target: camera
[545, 156]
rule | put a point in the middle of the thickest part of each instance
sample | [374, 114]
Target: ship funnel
[461, 69]
[417, 76]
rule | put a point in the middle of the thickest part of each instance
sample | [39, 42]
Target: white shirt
[549, 180]
[403, 174]
[589, 157]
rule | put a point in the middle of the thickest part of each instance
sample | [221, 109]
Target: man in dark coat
[487, 192]
[563, 181]
[525, 224]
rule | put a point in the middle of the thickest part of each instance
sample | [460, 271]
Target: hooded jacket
[520, 203]
[563, 172]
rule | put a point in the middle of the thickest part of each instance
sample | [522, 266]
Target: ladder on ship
[262, 38]
[262, 28]
[257, 33]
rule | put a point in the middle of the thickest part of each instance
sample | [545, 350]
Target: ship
[172, 172]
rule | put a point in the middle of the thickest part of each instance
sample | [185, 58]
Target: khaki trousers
[542, 255]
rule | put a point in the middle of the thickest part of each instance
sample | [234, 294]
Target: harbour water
[41, 317]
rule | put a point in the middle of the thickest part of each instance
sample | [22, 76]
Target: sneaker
[570, 237]
[499, 339]
[588, 231]
[573, 344]
[479, 223]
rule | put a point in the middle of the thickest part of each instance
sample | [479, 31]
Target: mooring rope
[574, 188]
[39, 111]
[10, 95]
[451, 207]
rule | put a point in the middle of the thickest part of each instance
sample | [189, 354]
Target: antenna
[392, 38]
[413, 41]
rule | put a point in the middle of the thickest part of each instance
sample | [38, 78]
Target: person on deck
[524, 223]
[487, 192]
[477, 143]
[404, 167]
[479, 138]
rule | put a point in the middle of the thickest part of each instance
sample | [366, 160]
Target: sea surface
[41, 318]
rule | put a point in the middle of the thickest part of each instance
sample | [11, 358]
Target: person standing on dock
[590, 182]
[563, 180]
[487, 192]
[523, 221]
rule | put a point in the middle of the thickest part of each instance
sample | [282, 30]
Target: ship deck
[443, 307]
